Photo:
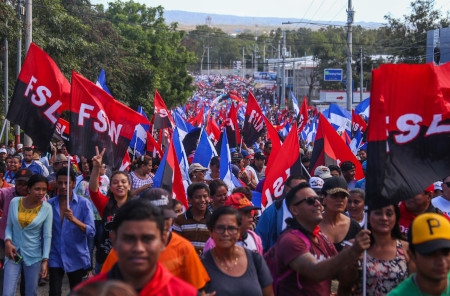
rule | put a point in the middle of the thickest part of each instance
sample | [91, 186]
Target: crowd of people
[69, 215]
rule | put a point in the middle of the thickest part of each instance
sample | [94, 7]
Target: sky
[318, 10]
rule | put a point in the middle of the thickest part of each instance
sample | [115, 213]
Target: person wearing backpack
[303, 249]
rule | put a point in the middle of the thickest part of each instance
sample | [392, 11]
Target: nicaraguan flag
[101, 81]
[225, 165]
[339, 118]
[183, 126]
[295, 104]
[363, 108]
[205, 150]
[181, 154]
[139, 141]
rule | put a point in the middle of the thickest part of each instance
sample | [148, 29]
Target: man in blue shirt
[72, 225]
[29, 163]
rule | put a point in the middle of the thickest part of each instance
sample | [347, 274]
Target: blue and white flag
[295, 104]
[339, 118]
[101, 81]
[225, 171]
[205, 150]
[355, 144]
[181, 154]
[139, 141]
[363, 108]
[159, 174]
[183, 126]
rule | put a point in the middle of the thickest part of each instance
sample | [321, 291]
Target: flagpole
[68, 179]
[134, 148]
[309, 176]
[364, 270]
[3, 128]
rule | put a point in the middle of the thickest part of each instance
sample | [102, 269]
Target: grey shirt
[256, 277]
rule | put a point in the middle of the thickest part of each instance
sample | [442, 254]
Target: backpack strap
[288, 272]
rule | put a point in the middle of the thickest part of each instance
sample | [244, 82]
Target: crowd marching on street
[123, 233]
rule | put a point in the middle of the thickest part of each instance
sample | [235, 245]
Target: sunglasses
[310, 201]
[446, 183]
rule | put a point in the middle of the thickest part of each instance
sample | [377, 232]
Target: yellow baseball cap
[430, 232]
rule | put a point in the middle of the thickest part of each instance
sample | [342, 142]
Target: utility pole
[5, 70]
[28, 38]
[361, 77]
[278, 69]
[283, 77]
[243, 62]
[209, 65]
[254, 58]
[350, 14]
[20, 13]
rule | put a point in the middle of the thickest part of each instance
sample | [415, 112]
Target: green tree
[407, 36]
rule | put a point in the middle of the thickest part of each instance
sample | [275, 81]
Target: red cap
[240, 202]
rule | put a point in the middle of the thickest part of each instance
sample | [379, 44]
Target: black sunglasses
[446, 183]
[309, 200]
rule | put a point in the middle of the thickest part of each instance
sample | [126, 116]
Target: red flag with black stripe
[97, 119]
[274, 138]
[253, 123]
[163, 119]
[330, 148]
[172, 180]
[213, 131]
[40, 95]
[303, 115]
[409, 131]
[287, 162]
[153, 146]
[232, 128]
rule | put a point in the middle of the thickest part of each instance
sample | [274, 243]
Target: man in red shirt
[137, 237]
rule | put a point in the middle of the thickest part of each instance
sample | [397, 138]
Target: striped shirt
[193, 230]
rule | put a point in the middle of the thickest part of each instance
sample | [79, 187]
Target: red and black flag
[97, 119]
[62, 130]
[303, 115]
[274, 138]
[409, 131]
[213, 131]
[287, 162]
[163, 119]
[253, 123]
[232, 128]
[40, 95]
[153, 146]
[172, 180]
[329, 148]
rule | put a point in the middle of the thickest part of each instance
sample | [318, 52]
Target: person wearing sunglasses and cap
[305, 250]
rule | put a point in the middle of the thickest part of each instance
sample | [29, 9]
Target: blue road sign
[332, 74]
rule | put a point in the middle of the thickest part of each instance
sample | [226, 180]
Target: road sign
[332, 75]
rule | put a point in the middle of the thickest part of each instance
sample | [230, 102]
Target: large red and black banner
[409, 131]
[162, 116]
[253, 123]
[329, 148]
[287, 162]
[97, 119]
[40, 95]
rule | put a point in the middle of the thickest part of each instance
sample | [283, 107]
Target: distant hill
[188, 20]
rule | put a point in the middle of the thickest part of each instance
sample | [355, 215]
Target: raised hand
[97, 159]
